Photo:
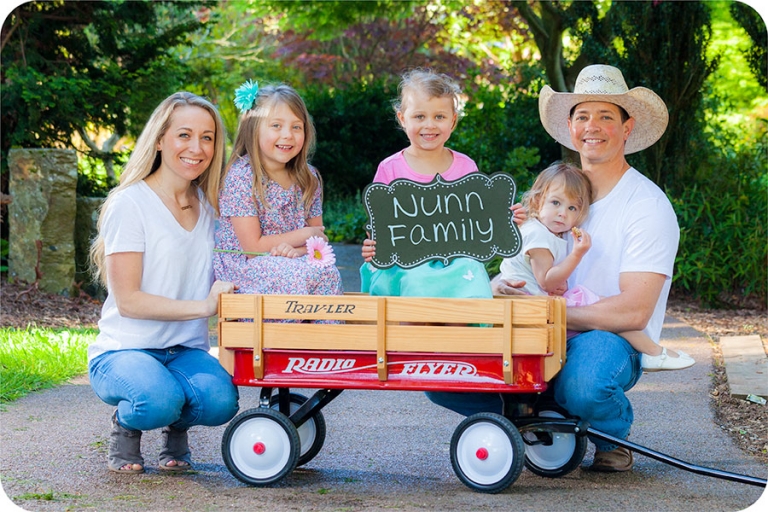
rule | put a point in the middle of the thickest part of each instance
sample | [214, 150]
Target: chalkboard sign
[441, 220]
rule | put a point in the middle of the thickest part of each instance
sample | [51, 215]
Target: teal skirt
[461, 278]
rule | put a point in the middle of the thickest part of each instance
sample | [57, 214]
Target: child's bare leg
[654, 357]
[645, 345]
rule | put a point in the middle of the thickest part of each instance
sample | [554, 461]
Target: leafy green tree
[549, 22]
[660, 45]
[240, 43]
[325, 20]
[82, 68]
[339, 44]
[756, 56]
[665, 49]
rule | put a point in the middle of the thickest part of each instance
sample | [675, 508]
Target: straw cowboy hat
[605, 83]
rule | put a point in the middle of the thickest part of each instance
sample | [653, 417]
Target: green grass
[35, 358]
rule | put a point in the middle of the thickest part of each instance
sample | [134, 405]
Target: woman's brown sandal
[175, 449]
[124, 451]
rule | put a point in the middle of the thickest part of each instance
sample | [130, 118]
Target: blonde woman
[153, 254]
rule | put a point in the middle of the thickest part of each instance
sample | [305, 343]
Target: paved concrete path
[383, 451]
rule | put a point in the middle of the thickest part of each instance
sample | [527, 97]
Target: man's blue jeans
[600, 367]
[178, 386]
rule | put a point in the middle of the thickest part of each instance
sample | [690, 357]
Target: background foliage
[87, 74]
[87, 67]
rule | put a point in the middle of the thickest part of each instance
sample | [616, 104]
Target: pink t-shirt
[395, 167]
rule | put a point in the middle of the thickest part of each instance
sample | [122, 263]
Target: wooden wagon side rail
[506, 326]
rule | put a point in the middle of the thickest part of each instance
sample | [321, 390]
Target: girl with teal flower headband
[270, 199]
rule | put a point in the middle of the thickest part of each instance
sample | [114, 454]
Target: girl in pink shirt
[428, 112]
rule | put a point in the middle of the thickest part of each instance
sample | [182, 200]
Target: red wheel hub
[259, 448]
[481, 453]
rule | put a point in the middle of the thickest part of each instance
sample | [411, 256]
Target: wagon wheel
[487, 452]
[553, 454]
[260, 446]
[311, 433]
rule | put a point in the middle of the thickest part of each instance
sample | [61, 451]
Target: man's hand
[630, 310]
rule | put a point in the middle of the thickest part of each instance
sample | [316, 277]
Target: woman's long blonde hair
[145, 159]
[576, 186]
[247, 143]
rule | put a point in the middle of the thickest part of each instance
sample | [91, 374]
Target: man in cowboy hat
[634, 242]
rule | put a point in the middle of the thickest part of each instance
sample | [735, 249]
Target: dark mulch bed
[24, 305]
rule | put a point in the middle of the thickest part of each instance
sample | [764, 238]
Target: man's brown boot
[612, 461]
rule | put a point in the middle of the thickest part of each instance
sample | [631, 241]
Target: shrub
[345, 219]
[356, 129]
[722, 255]
[503, 133]
[92, 178]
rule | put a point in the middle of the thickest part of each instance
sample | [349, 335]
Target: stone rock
[43, 184]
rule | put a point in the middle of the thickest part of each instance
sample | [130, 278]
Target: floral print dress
[268, 274]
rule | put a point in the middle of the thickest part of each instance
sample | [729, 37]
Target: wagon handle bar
[717, 473]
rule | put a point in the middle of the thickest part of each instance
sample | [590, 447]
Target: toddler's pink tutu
[579, 296]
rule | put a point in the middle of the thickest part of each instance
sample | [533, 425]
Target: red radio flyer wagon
[506, 345]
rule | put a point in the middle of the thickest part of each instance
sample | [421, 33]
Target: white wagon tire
[557, 459]
[311, 433]
[260, 446]
[487, 452]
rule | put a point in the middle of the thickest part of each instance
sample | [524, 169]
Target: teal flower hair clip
[245, 95]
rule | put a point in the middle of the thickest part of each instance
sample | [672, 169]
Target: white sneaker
[664, 361]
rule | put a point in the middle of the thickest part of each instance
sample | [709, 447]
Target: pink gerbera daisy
[319, 252]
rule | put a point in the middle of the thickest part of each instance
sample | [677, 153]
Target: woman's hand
[369, 249]
[286, 250]
[212, 301]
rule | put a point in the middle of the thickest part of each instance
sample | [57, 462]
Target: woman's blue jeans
[179, 386]
[600, 367]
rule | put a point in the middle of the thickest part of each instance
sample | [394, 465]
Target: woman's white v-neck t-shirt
[176, 263]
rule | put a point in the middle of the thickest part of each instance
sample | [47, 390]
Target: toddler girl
[557, 203]
[270, 199]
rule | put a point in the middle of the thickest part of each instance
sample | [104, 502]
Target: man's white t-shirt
[633, 229]
[535, 235]
[176, 263]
